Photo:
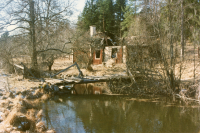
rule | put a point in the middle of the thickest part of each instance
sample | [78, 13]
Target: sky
[79, 5]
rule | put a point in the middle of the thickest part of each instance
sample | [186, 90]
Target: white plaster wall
[107, 51]
[92, 30]
[124, 54]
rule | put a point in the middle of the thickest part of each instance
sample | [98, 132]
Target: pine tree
[129, 15]
[88, 16]
[119, 10]
[100, 13]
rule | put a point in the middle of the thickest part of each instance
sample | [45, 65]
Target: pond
[120, 114]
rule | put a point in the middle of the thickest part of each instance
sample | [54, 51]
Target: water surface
[120, 114]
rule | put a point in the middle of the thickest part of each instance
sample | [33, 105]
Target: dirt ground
[98, 70]
[15, 81]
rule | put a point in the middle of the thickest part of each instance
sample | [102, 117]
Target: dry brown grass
[19, 120]
[39, 114]
[40, 126]
[23, 115]
[45, 97]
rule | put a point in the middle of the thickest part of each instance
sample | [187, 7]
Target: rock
[52, 88]
[1, 94]
[40, 126]
[56, 88]
[46, 87]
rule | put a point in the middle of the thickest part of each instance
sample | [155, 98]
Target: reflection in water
[117, 114]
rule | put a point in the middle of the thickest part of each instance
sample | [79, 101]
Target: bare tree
[42, 22]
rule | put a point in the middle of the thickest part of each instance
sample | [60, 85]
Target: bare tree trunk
[32, 35]
[89, 67]
[194, 62]
[182, 30]
[171, 51]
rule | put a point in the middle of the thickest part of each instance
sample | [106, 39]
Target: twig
[53, 50]
[75, 64]
[186, 98]
[132, 77]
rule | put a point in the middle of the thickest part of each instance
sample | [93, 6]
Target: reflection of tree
[93, 113]
[130, 116]
[46, 112]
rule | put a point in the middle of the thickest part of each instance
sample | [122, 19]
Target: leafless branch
[53, 49]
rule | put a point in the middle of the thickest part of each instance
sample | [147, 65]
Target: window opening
[97, 54]
[114, 53]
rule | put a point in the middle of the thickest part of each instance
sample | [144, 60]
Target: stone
[46, 87]
[56, 88]
[52, 88]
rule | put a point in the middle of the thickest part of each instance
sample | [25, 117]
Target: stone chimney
[92, 30]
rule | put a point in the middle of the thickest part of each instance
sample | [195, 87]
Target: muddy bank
[20, 111]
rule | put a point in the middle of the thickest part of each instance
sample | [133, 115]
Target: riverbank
[21, 111]
[20, 99]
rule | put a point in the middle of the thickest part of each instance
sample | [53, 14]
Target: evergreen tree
[100, 13]
[88, 16]
[119, 11]
[106, 17]
[130, 12]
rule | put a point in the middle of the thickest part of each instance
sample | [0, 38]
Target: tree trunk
[171, 51]
[182, 30]
[32, 36]
[89, 67]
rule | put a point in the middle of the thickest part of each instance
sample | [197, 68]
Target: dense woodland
[161, 28]
[123, 18]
